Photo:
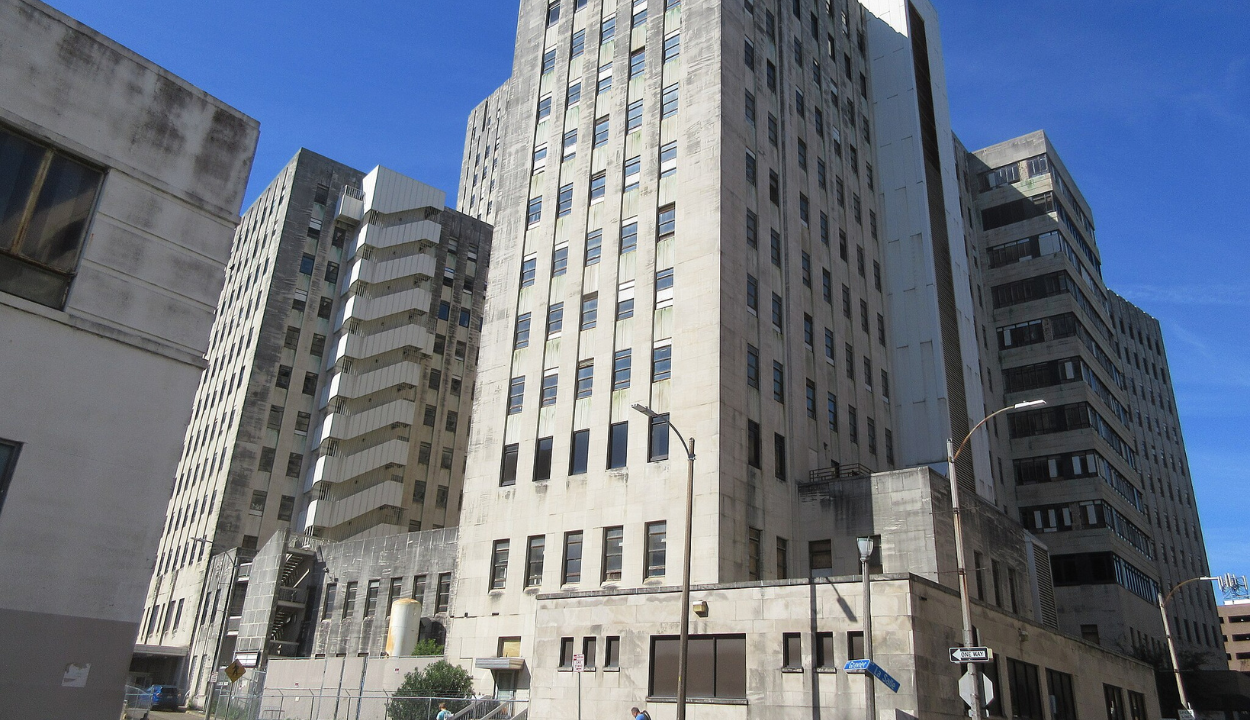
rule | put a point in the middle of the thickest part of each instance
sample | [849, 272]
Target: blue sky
[1147, 102]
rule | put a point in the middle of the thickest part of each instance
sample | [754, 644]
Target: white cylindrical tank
[405, 628]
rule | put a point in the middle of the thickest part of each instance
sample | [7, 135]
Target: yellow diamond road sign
[234, 671]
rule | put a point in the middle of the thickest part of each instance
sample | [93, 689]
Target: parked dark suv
[167, 697]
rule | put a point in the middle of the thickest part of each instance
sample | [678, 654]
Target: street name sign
[868, 667]
[971, 654]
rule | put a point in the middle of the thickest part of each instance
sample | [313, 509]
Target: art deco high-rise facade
[341, 372]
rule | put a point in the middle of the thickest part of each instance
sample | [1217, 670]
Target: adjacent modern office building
[120, 187]
[1099, 473]
[339, 382]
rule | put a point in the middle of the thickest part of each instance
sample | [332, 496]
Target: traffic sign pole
[579, 667]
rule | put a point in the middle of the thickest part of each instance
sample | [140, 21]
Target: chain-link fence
[137, 703]
[247, 703]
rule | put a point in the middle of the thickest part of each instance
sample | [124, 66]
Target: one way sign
[971, 655]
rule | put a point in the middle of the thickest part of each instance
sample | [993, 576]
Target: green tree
[438, 680]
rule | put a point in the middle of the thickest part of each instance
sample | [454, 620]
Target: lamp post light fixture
[870, 697]
[1167, 633]
[684, 644]
[965, 602]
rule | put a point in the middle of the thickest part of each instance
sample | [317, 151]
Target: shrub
[438, 680]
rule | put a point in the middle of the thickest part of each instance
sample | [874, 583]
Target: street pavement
[188, 715]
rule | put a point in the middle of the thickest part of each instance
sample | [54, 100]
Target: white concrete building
[120, 187]
[336, 400]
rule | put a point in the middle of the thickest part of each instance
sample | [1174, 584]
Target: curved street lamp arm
[682, 440]
[1181, 584]
[968, 437]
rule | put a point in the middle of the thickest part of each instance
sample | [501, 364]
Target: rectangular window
[618, 445]
[542, 459]
[371, 597]
[774, 134]
[621, 362]
[753, 366]
[831, 409]
[601, 128]
[572, 569]
[753, 294]
[750, 107]
[633, 116]
[791, 651]
[522, 337]
[507, 471]
[754, 549]
[753, 444]
[811, 399]
[629, 237]
[666, 221]
[669, 100]
[779, 456]
[717, 666]
[535, 212]
[555, 320]
[633, 173]
[672, 46]
[779, 382]
[566, 653]
[607, 29]
[657, 445]
[612, 652]
[820, 557]
[442, 597]
[564, 204]
[637, 62]
[852, 424]
[661, 363]
[499, 565]
[783, 559]
[516, 395]
[778, 314]
[349, 600]
[748, 53]
[1062, 697]
[656, 546]
[750, 167]
[594, 246]
[613, 542]
[534, 561]
[668, 159]
[579, 452]
[1026, 694]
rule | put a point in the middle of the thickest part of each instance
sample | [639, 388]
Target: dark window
[661, 363]
[349, 600]
[1062, 699]
[753, 366]
[1114, 698]
[621, 369]
[753, 444]
[547, 396]
[542, 459]
[293, 463]
[791, 650]
[779, 456]
[507, 472]
[310, 383]
[657, 446]
[824, 650]
[716, 663]
[579, 452]
[618, 444]
[1026, 694]
[612, 652]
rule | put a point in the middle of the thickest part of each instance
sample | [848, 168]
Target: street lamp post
[1167, 633]
[870, 698]
[684, 644]
[965, 601]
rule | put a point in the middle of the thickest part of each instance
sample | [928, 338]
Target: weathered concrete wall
[407, 557]
[99, 392]
[327, 688]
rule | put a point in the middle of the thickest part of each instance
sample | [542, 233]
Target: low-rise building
[120, 186]
[1235, 627]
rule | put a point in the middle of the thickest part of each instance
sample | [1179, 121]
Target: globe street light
[870, 698]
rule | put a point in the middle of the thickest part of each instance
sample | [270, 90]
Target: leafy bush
[438, 680]
[428, 646]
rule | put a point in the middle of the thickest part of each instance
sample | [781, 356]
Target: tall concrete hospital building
[753, 220]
